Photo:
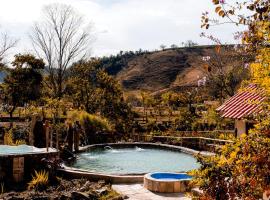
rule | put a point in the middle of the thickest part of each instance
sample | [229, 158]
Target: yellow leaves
[233, 155]
[222, 161]
[39, 181]
[242, 136]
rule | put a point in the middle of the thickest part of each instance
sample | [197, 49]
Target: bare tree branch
[6, 43]
[61, 39]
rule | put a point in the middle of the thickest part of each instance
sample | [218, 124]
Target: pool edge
[70, 172]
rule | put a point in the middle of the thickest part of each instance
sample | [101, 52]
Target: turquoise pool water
[21, 149]
[134, 161]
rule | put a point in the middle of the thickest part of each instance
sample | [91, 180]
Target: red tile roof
[246, 102]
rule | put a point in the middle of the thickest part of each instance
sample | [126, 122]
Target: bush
[92, 125]
[239, 170]
[90, 122]
[40, 181]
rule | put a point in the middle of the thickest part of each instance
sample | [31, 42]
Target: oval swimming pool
[134, 160]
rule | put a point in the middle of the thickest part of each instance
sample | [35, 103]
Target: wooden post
[47, 132]
[133, 133]
[31, 134]
[57, 140]
[51, 138]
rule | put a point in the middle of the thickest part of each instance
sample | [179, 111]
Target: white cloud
[121, 24]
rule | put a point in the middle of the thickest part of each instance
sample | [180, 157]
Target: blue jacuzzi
[165, 182]
[170, 176]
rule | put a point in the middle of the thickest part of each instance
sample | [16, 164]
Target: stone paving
[138, 192]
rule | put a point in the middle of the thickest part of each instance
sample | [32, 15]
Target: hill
[158, 70]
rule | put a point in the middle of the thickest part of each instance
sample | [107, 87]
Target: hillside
[160, 70]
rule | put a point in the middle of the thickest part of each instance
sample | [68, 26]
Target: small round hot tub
[167, 182]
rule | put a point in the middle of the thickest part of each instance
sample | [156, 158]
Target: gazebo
[242, 106]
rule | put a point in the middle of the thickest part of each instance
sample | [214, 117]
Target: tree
[23, 82]
[174, 46]
[113, 105]
[240, 170]
[61, 39]
[163, 47]
[223, 72]
[190, 43]
[92, 89]
[6, 43]
[82, 85]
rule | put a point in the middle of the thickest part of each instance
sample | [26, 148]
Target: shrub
[40, 181]
[92, 125]
[239, 170]
[89, 121]
[9, 139]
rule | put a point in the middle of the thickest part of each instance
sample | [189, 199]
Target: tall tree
[61, 39]
[240, 170]
[94, 90]
[23, 82]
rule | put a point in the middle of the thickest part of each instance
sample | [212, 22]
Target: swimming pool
[134, 160]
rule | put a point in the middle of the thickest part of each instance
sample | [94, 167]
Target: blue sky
[120, 24]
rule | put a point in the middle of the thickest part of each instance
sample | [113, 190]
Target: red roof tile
[246, 102]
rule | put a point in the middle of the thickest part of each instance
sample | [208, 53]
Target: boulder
[79, 196]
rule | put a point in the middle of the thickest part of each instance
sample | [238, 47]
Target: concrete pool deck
[138, 192]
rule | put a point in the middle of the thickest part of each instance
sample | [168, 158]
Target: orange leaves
[205, 20]
[218, 9]
[221, 13]
[215, 2]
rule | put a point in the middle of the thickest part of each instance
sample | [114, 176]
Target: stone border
[70, 172]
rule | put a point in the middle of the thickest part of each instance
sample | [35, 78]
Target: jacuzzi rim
[44, 151]
[149, 176]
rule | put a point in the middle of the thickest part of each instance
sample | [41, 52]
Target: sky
[120, 24]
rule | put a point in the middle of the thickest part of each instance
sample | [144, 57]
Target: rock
[41, 198]
[65, 197]
[102, 191]
[16, 198]
[92, 195]
[102, 183]
[79, 196]
[85, 187]
[117, 198]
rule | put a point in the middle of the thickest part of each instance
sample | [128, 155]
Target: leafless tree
[6, 43]
[60, 39]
